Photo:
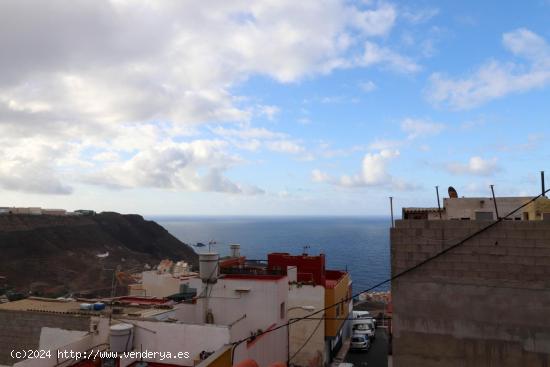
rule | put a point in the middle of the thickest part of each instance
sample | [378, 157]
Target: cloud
[496, 79]
[250, 133]
[376, 55]
[120, 87]
[257, 138]
[319, 176]
[30, 170]
[367, 86]
[373, 173]
[377, 22]
[418, 128]
[384, 144]
[419, 16]
[196, 166]
[285, 146]
[121, 84]
[475, 166]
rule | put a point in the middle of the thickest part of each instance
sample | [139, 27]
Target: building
[166, 280]
[484, 303]
[245, 297]
[68, 325]
[483, 208]
[259, 295]
[32, 211]
[59, 212]
[313, 279]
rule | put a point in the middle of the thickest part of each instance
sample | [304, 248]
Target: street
[377, 355]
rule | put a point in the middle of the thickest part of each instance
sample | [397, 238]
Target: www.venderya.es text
[70, 354]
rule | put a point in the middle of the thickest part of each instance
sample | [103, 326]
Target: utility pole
[495, 201]
[438, 204]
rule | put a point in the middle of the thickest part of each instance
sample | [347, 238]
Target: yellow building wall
[536, 209]
[222, 359]
[333, 295]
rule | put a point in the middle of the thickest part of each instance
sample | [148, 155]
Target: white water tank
[121, 337]
[208, 267]
[235, 250]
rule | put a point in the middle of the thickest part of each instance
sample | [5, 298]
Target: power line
[305, 342]
[400, 274]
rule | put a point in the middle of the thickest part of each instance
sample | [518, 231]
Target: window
[484, 215]
[282, 311]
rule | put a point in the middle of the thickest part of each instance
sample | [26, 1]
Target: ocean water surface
[358, 244]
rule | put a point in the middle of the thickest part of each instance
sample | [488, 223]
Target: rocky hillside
[51, 255]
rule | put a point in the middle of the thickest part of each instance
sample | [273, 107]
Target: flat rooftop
[37, 304]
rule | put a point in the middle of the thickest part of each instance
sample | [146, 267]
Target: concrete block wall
[485, 303]
[20, 330]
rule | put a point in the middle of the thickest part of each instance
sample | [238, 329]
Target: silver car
[360, 342]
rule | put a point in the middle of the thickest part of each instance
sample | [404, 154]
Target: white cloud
[418, 128]
[249, 133]
[496, 79]
[373, 173]
[196, 166]
[319, 176]
[384, 144]
[285, 146]
[475, 166]
[114, 87]
[269, 111]
[377, 22]
[418, 16]
[27, 167]
[377, 55]
[256, 138]
[373, 169]
[367, 86]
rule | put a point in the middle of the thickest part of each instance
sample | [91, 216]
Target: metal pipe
[542, 183]
[495, 201]
[438, 204]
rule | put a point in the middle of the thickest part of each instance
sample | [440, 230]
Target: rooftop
[121, 307]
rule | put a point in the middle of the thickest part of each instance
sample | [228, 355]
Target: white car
[364, 327]
[361, 314]
[360, 342]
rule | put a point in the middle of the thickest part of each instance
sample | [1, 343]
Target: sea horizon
[358, 244]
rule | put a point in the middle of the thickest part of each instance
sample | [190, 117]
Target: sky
[275, 107]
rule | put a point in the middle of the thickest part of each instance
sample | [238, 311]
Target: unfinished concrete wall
[486, 303]
[20, 330]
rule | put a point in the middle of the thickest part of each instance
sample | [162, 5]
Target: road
[377, 356]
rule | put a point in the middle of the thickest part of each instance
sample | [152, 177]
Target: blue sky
[271, 108]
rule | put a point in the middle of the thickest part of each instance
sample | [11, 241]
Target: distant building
[484, 303]
[483, 208]
[32, 211]
[84, 212]
[59, 212]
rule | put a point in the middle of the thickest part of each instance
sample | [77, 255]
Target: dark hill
[54, 255]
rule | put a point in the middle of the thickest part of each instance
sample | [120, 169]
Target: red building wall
[310, 268]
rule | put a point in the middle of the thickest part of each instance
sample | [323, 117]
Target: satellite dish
[452, 193]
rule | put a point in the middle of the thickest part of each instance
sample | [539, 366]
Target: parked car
[360, 315]
[364, 327]
[360, 342]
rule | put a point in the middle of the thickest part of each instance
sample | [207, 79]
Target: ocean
[358, 244]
